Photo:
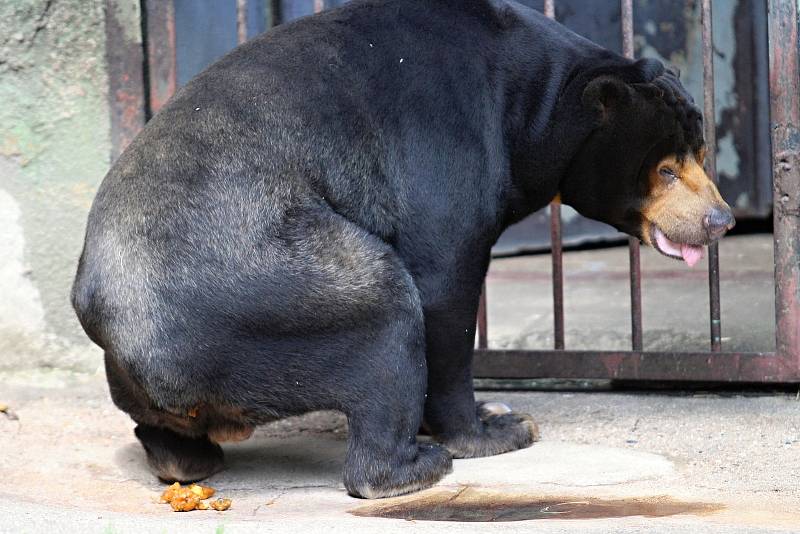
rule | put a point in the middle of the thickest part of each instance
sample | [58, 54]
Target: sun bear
[307, 224]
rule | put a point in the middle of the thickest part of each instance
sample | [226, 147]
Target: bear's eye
[668, 174]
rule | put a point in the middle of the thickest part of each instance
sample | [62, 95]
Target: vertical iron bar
[784, 76]
[556, 248]
[550, 9]
[127, 79]
[711, 167]
[483, 337]
[241, 21]
[636, 293]
[558, 275]
[273, 13]
[626, 15]
[161, 59]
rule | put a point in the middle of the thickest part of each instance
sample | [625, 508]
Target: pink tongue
[691, 254]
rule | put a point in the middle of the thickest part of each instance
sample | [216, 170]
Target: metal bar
[556, 245]
[161, 59]
[272, 13]
[635, 270]
[784, 76]
[241, 21]
[126, 78]
[626, 16]
[634, 254]
[550, 9]
[625, 365]
[711, 166]
[557, 255]
[483, 338]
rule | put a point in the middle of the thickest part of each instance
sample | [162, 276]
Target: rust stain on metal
[785, 116]
[628, 365]
[557, 254]
[161, 60]
[126, 82]
[612, 363]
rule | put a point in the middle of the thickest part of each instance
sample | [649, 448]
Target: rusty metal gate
[155, 63]
[783, 365]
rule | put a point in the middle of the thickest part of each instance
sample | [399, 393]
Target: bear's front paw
[499, 430]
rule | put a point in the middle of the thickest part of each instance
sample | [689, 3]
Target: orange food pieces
[192, 497]
[204, 492]
[184, 502]
[220, 505]
[170, 493]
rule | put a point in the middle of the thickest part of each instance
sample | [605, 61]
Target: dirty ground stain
[476, 505]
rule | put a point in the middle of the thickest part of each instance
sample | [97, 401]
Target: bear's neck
[548, 124]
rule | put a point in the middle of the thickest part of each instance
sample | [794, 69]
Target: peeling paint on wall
[727, 158]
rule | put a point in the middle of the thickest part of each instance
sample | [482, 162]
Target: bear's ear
[605, 94]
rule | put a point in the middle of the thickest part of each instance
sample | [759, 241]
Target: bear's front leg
[466, 429]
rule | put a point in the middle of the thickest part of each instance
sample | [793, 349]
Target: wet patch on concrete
[470, 504]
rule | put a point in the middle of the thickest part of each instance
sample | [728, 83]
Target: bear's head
[641, 167]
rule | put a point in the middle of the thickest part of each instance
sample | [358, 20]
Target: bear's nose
[718, 221]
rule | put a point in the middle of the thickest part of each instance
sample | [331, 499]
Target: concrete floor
[720, 463]
[70, 463]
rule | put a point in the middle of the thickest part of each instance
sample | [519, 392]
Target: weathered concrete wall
[54, 151]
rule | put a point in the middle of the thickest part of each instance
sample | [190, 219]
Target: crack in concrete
[458, 494]
[271, 501]
[41, 23]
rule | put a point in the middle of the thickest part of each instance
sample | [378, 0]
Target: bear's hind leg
[383, 456]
